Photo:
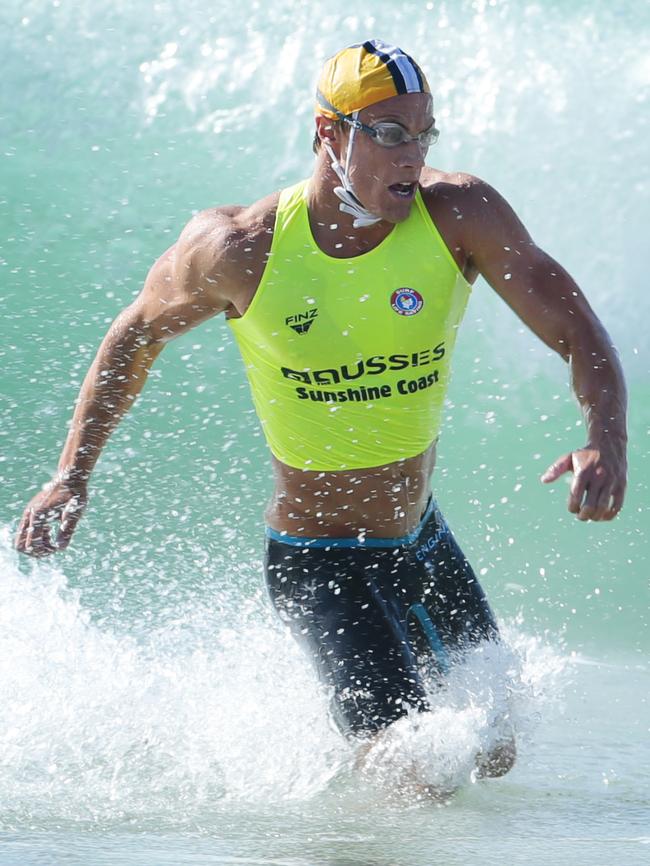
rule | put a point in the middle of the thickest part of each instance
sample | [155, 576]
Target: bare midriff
[382, 501]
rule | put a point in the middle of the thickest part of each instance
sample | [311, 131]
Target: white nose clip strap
[349, 202]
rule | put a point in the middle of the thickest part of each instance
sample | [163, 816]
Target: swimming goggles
[389, 134]
[385, 133]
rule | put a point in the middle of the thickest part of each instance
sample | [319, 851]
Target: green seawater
[151, 709]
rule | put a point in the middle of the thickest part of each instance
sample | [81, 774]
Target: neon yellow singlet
[348, 359]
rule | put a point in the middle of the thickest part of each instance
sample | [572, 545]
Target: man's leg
[328, 598]
[369, 618]
[448, 613]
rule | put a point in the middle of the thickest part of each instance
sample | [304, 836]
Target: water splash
[100, 726]
[496, 695]
[105, 727]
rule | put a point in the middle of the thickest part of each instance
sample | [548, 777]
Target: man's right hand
[60, 501]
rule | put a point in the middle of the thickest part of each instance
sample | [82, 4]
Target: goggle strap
[351, 119]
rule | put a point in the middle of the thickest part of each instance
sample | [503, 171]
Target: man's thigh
[356, 640]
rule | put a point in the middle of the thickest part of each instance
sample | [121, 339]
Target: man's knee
[498, 761]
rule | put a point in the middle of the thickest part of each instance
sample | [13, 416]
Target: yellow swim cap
[362, 74]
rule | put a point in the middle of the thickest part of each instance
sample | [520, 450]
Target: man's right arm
[187, 285]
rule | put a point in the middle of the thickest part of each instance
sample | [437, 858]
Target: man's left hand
[599, 481]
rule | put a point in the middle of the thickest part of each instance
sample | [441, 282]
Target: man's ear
[327, 132]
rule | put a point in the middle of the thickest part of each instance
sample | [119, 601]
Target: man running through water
[344, 293]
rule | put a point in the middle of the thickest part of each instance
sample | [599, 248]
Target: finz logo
[406, 302]
[302, 322]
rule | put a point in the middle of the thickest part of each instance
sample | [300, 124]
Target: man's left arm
[547, 299]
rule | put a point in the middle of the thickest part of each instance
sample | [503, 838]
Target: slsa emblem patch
[406, 302]
[302, 322]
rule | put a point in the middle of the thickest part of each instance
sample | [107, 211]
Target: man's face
[377, 172]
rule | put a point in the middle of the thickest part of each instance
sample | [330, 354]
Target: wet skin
[216, 266]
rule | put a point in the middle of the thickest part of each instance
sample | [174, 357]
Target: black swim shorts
[378, 615]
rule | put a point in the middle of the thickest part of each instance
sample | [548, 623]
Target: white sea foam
[496, 695]
[103, 727]
[100, 725]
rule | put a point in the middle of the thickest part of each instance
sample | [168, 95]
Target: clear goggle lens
[392, 134]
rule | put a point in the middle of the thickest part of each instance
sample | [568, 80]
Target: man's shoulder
[453, 187]
[465, 201]
[232, 234]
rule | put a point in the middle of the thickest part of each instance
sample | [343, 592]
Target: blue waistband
[357, 541]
